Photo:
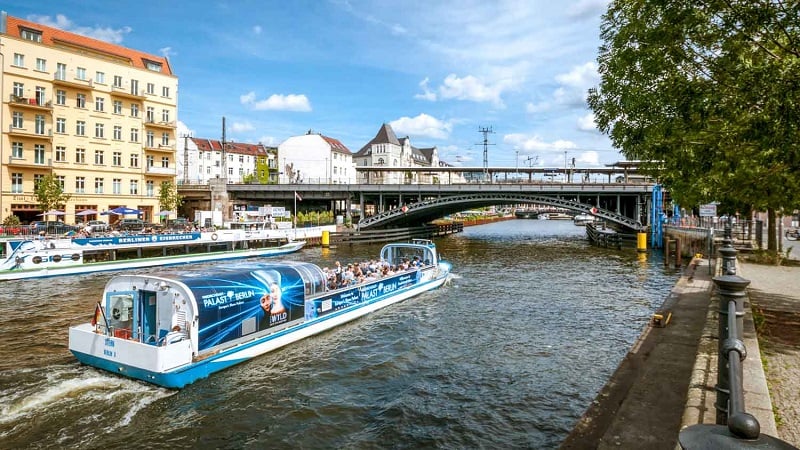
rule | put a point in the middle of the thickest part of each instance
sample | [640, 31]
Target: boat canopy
[422, 250]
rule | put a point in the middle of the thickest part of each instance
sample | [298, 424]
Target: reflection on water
[509, 354]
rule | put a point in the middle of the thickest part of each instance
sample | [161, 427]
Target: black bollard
[731, 288]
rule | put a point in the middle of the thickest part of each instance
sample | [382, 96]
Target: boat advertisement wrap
[363, 294]
[242, 303]
[138, 239]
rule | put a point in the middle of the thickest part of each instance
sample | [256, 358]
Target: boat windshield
[396, 254]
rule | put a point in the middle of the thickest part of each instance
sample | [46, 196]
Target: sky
[437, 71]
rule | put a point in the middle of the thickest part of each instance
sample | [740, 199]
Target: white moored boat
[41, 258]
[174, 330]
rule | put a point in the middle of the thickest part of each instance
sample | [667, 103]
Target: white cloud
[183, 130]
[257, 29]
[277, 102]
[580, 76]
[422, 126]
[534, 144]
[268, 141]
[115, 36]
[586, 123]
[242, 126]
[466, 88]
[166, 52]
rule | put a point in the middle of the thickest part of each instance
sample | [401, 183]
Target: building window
[19, 60]
[16, 120]
[98, 185]
[61, 97]
[31, 35]
[150, 139]
[99, 104]
[40, 95]
[17, 150]
[100, 77]
[80, 128]
[116, 159]
[117, 106]
[165, 162]
[134, 187]
[61, 125]
[165, 139]
[37, 179]
[134, 160]
[165, 91]
[61, 71]
[117, 132]
[80, 185]
[165, 115]
[150, 115]
[151, 88]
[80, 73]
[99, 158]
[135, 87]
[61, 154]
[98, 130]
[62, 181]
[150, 188]
[134, 135]
[80, 101]
[41, 64]
[38, 154]
[18, 89]
[80, 156]
[150, 161]
[39, 124]
[134, 110]
[154, 66]
[117, 81]
[16, 183]
[116, 186]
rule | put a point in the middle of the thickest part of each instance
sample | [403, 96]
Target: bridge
[395, 205]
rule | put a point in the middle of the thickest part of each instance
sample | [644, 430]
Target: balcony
[160, 171]
[29, 103]
[160, 148]
[150, 123]
[25, 163]
[60, 79]
[119, 91]
[25, 132]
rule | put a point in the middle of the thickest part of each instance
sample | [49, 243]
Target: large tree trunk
[772, 227]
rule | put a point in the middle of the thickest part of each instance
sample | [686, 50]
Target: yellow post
[326, 238]
[641, 242]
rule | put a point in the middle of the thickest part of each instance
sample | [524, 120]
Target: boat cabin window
[314, 280]
[120, 310]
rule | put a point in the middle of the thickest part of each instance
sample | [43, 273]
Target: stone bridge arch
[427, 210]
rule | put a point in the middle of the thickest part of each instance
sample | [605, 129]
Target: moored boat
[41, 258]
[172, 330]
[583, 219]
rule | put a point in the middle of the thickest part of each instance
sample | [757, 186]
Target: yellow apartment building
[98, 116]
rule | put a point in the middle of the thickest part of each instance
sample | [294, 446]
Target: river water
[508, 355]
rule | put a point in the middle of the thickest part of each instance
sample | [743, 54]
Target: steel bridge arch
[432, 209]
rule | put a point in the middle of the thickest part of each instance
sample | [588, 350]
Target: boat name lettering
[109, 342]
[226, 298]
[134, 240]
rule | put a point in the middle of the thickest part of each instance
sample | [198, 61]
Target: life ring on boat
[75, 257]
[214, 236]
[56, 258]
[37, 259]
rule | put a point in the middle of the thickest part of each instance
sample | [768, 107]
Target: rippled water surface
[508, 355]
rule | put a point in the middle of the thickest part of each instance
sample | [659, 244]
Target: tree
[168, 197]
[49, 193]
[707, 94]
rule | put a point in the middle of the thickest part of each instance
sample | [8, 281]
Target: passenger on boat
[173, 336]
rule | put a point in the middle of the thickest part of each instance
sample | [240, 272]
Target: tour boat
[583, 219]
[174, 329]
[39, 258]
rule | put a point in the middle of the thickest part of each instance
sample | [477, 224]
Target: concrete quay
[666, 381]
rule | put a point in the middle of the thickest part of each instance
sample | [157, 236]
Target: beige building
[98, 116]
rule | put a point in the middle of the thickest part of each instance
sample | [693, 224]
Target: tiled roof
[239, 148]
[336, 145]
[385, 136]
[54, 36]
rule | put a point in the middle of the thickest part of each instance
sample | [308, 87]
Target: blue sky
[437, 71]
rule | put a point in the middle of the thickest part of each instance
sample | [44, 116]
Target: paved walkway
[666, 382]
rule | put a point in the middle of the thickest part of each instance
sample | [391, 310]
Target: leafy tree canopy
[168, 197]
[49, 193]
[707, 95]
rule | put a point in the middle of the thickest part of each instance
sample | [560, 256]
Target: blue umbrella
[122, 211]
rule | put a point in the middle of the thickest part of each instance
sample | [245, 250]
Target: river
[508, 355]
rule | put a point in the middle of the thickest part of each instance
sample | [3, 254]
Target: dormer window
[152, 65]
[31, 35]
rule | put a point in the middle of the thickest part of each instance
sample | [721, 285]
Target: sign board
[709, 210]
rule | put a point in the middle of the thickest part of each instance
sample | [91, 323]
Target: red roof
[205, 145]
[336, 145]
[52, 36]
